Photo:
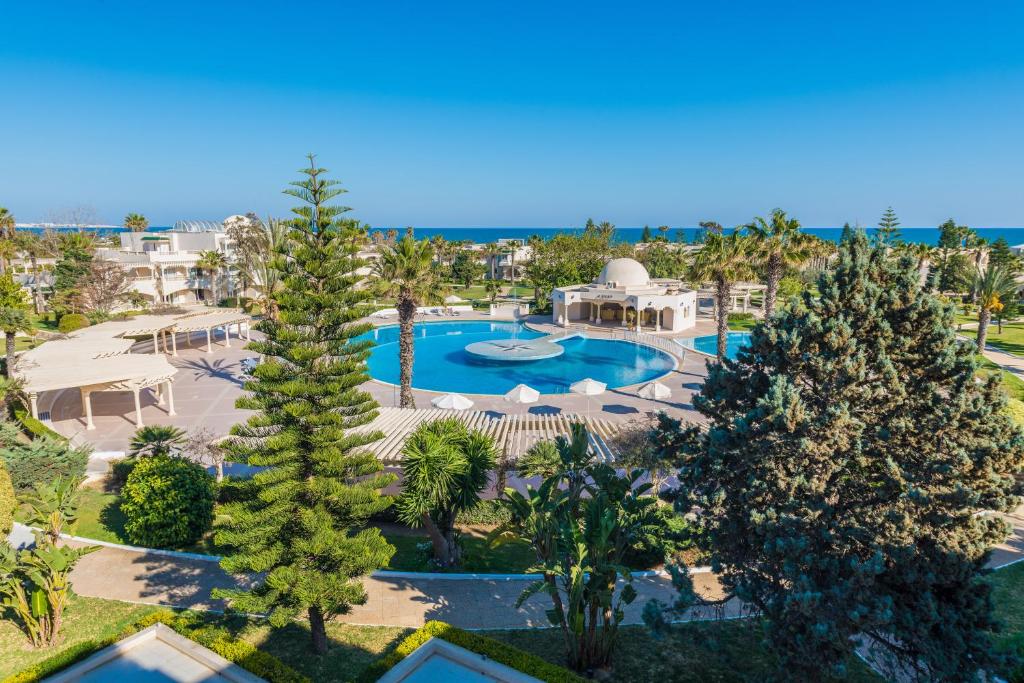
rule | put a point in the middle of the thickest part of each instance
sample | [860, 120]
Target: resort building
[163, 265]
[624, 294]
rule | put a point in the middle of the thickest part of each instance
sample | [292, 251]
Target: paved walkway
[401, 600]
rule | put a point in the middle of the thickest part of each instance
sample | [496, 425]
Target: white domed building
[625, 295]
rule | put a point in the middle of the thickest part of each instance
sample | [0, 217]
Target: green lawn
[715, 651]
[1010, 340]
[719, 651]
[100, 518]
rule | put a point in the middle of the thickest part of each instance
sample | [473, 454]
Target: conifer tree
[847, 453]
[302, 523]
[888, 233]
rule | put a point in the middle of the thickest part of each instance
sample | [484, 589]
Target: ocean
[929, 236]
[1015, 236]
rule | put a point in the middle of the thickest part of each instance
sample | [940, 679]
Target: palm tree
[8, 250]
[919, 251]
[723, 260]
[7, 224]
[445, 467]
[13, 316]
[213, 261]
[136, 222]
[35, 248]
[492, 251]
[780, 245]
[156, 440]
[991, 288]
[405, 272]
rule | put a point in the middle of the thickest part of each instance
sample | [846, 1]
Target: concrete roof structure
[625, 294]
[98, 358]
[156, 653]
[439, 660]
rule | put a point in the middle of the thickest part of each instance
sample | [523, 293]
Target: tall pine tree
[847, 453]
[888, 233]
[302, 521]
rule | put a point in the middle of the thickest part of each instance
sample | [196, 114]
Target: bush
[33, 426]
[39, 461]
[510, 656]
[669, 537]
[486, 512]
[8, 503]
[120, 469]
[167, 502]
[71, 322]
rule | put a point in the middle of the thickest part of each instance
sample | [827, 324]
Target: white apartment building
[162, 265]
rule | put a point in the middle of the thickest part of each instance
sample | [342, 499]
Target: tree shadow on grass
[113, 518]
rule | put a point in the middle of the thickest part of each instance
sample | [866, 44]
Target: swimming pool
[441, 363]
[709, 344]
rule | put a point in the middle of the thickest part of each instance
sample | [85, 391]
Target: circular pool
[442, 363]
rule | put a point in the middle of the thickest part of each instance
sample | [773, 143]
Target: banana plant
[581, 521]
[15, 595]
[54, 505]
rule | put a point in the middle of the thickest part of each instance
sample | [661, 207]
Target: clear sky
[518, 114]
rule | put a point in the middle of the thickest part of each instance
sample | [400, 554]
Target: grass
[709, 651]
[1013, 384]
[697, 652]
[353, 648]
[100, 518]
[511, 558]
[1010, 340]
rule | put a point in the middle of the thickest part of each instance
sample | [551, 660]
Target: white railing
[662, 343]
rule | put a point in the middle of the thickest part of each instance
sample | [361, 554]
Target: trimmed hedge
[513, 657]
[243, 654]
[71, 322]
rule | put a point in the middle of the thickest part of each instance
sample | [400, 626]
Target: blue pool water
[709, 344]
[441, 364]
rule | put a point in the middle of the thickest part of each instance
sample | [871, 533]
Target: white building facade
[624, 294]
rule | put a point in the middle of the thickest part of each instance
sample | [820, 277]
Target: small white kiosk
[625, 295]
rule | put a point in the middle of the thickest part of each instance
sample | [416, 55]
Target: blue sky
[518, 114]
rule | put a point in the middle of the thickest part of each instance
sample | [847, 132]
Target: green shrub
[41, 460]
[120, 469]
[670, 536]
[33, 426]
[167, 502]
[71, 322]
[243, 654]
[7, 502]
[513, 657]
[486, 512]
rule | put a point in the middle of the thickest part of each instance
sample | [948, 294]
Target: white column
[174, 343]
[138, 408]
[156, 346]
[624, 310]
[209, 341]
[87, 403]
[248, 330]
[657, 320]
[227, 336]
[159, 395]
[33, 400]
[170, 398]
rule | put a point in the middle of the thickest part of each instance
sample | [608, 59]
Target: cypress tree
[302, 520]
[847, 451]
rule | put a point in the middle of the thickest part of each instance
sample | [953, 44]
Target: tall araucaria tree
[888, 232]
[302, 525]
[780, 245]
[405, 272]
[848, 452]
[723, 260]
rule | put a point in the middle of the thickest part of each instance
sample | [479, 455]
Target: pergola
[98, 358]
[739, 294]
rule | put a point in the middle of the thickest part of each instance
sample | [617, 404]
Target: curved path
[394, 598]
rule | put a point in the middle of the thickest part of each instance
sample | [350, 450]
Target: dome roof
[624, 272]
